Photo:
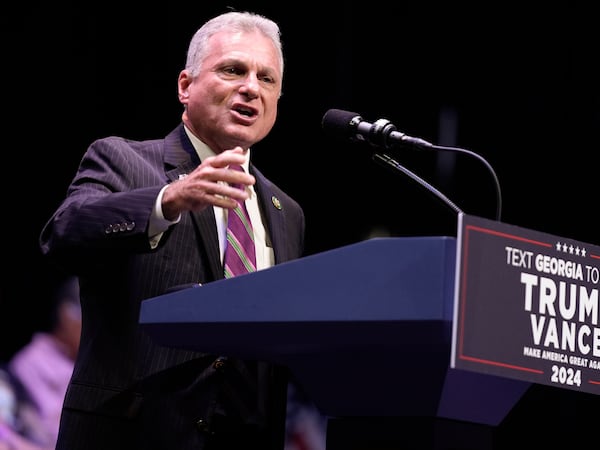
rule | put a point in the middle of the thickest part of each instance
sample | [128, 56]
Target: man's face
[233, 99]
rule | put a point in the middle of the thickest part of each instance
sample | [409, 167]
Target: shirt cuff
[158, 224]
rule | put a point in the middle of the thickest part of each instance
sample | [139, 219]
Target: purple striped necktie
[240, 253]
[240, 258]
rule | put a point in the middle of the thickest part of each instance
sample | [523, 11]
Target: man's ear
[183, 83]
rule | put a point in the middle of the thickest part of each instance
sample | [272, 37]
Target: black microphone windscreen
[337, 122]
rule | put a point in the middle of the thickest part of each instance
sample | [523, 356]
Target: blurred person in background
[13, 409]
[39, 374]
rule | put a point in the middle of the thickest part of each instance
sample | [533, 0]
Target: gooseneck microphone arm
[488, 167]
[385, 159]
[383, 134]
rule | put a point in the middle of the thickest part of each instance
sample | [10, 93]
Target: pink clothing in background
[44, 369]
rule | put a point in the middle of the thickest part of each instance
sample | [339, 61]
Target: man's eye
[269, 80]
[231, 70]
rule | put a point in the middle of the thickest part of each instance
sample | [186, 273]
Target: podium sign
[526, 305]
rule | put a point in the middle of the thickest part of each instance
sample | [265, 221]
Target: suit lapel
[207, 231]
[272, 215]
[181, 159]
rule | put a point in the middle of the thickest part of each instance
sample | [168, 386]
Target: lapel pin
[276, 202]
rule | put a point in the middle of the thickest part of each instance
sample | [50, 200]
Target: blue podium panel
[366, 328]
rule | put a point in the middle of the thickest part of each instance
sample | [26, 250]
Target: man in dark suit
[143, 217]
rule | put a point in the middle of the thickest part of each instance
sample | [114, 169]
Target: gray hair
[235, 21]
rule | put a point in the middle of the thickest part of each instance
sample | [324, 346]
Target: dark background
[517, 87]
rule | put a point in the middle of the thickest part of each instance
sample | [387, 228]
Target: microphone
[381, 133]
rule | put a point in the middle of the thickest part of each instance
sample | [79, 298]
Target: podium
[365, 328]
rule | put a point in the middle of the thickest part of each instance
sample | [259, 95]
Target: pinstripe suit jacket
[127, 392]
